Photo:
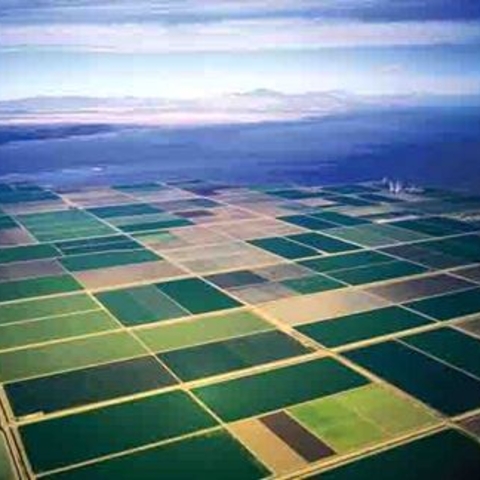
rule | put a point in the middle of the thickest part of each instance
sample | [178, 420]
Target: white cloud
[122, 9]
[236, 35]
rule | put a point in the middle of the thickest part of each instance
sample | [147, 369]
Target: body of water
[434, 145]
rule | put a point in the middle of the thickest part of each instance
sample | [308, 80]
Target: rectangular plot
[339, 218]
[196, 331]
[424, 453]
[250, 229]
[362, 326]
[71, 354]
[68, 440]
[213, 455]
[97, 245]
[406, 290]
[67, 233]
[263, 293]
[283, 271]
[308, 222]
[238, 278]
[275, 389]
[38, 287]
[436, 226]
[45, 307]
[107, 259]
[268, 447]
[344, 261]
[56, 328]
[197, 296]
[312, 284]
[323, 243]
[373, 235]
[366, 238]
[451, 346]
[157, 225]
[386, 271]
[297, 437]
[61, 225]
[466, 247]
[422, 253]
[452, 305]
[362, 417]
[35, 268]
[128, 274]
[320, 306]
[15, 236]
[86, 386]
[139, 305]
[392, 412]
[124, 210]
[125, 222]
[28, 252]
[436, 384]
[233, 354]
[283, 247]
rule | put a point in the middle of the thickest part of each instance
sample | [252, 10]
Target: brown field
[320, 306]
[268, 447]
[15, 236]
[36, 268]
[406, 290]
[127, 274]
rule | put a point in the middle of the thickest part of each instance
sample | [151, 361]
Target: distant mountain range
[252, 106]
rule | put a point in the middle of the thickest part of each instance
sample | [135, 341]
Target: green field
[386, 271]
[284, 247]
[140, 305]
[28, 252]
[346, 261]
[362, 326]
[216, 456]
[67, 440]
[46, 307]
[279, 388]
[323, 243]
[417, 460]
[67, 355]
[197, 296]
[201, 330]
[228, 355]
[361, 417]
[87, 385]
[451, 346]
[56, 328]
[421, 376]
[37, 287]
[449, 306]
[107, 259]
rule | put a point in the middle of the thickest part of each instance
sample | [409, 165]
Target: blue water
[434, 145]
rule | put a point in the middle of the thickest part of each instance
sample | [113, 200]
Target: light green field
[46, 307]
[67, 355]
[202, 330]
[360, 417]
[54, 328]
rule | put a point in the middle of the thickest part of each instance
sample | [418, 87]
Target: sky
[202, 48]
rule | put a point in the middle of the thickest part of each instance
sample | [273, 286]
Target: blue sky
[196, 48]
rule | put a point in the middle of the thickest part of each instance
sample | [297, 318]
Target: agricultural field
[189, 330]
